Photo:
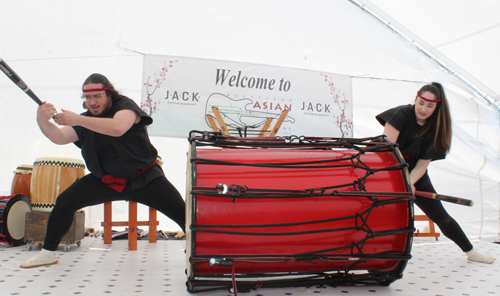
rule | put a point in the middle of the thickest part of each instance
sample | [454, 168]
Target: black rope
[378, 143]
[358, 217]
[324, 258]
[240, 191]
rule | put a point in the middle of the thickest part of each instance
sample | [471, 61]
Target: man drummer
[112, 135]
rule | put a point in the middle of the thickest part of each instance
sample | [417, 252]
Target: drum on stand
[13, 210]
[21, 183]
[309, 211]
[51, 176]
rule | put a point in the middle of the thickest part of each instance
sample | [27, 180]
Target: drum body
[21, 183]
[51, 176]
[13, 210]
[289, 211]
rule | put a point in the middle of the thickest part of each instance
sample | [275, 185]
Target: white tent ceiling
[467, 32]
[54, 45]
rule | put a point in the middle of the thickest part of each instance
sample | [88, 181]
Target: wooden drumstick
[452, 199]
[219, 118]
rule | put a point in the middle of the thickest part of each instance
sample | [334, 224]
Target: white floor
[437, 268]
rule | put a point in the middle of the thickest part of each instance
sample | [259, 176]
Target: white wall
[55, 45]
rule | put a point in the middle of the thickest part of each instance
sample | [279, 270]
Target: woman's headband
[425, 99]
[96, 89]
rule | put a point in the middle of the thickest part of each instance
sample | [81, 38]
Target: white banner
[179, 92]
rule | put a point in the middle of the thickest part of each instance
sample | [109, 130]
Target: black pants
[159, 194]
[437, 213]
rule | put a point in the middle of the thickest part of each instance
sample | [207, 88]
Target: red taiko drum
[21, 183]
[335, 211]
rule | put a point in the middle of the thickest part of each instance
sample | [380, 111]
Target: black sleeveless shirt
[403, 119]
[125, 156]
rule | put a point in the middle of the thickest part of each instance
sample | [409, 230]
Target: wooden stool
[432, 232]
[132, 224]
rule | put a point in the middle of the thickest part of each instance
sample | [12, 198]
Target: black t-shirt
[125, 156]
[403, 119]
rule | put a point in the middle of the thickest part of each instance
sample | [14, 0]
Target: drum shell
[51, 176]
[214, 210]
[12, 218]
[21, 183]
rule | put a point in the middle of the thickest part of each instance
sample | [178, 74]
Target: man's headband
[425, 99]
[96, 89]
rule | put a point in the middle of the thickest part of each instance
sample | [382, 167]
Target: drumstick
[222, 125]
[452, 199]
[18, 81]
[212, 122]
[277, 126]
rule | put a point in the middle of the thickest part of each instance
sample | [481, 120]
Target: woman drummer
[423, 133]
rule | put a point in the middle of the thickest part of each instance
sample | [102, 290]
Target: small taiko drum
[300, 211]
[21, 183]
[13, 210]
[51, 176]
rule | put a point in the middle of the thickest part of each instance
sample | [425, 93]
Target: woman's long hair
[99, 78]
[437, 128]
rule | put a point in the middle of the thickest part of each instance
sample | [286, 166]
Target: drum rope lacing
[355, 254]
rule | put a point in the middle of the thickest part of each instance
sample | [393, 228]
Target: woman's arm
[420, 168]
[418, 171]
[391, 132]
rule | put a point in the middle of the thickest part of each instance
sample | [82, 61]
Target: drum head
[59, 161]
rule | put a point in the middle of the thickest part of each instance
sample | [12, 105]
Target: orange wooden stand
[263, 133]
[132, 224]
[432, 232]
